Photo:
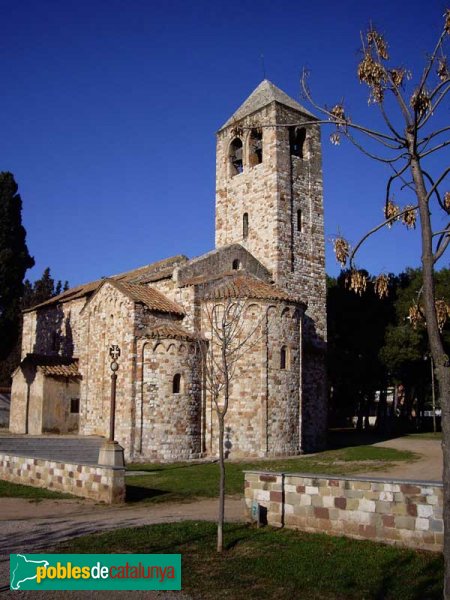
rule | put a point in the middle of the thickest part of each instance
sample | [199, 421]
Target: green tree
[356, 329]
[407, 142]
[14, 262]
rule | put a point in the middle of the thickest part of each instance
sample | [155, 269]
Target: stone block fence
[97, 482]
[406, 513]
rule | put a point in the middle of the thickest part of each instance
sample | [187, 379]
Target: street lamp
[433, 396]
[111, 453]
[114, 353]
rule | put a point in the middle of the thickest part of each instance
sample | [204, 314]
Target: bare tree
[230, 333]
[405, 144]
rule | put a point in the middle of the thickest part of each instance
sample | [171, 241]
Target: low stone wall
[100, 483]
[407, 513]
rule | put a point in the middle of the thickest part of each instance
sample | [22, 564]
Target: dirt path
[427, 468]
[27, 526]
[50, 522]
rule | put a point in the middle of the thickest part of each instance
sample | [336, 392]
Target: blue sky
[109, 108]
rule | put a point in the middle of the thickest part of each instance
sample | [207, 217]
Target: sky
[109, 108]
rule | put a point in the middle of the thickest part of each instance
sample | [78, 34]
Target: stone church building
[269, 252]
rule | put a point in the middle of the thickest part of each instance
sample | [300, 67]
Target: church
[269, 252]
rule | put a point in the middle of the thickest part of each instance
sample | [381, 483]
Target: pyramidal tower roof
[265, 94]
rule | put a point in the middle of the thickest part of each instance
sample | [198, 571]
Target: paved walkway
[428, 468]
[66, 448]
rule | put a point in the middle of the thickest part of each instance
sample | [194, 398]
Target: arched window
[245, 226]
[283, 357]
[236, 264]
[255, 147]
[299, 220]
[176, 384]
[236, 157]
[297, 136]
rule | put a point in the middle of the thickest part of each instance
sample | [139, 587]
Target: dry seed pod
[381, 286]
[447, 21]
[442, 69]
[357, 282]
[415, 316]
[338, 112]
[376, 39]
[442, 311]
[447, 201]
[420, 102]
[391, 211]
[342, 250]
[370, 71]
[409, 217]
[335, 138]
[397, 76]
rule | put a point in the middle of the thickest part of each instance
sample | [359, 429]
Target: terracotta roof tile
[152, 272]
[241, 285]
[54, 366]
[61, 370]
[154, 299]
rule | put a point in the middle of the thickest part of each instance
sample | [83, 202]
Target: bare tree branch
[375, 229]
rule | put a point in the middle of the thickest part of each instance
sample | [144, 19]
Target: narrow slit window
[299, 220]
[236, 264]
[255, 147]
[245, 226]
[297, 136]
[236, 162]
[176, 384]
[283, 358]
[74, 406]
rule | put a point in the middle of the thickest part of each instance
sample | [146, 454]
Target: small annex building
[269, 251]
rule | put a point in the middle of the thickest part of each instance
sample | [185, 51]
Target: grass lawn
[186, 481]
[15, 490]
[278, 564]
[428, 435]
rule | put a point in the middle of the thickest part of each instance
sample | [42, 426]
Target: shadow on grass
[158, 468]
[344, 438]
[135, 493]
[425, 586]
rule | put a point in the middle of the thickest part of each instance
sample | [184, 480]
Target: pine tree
[14, 262]
[44, 288]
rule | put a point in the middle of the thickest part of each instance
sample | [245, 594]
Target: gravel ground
[30, 527]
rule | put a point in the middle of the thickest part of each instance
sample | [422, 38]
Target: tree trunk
[221, 484]
[440, 359]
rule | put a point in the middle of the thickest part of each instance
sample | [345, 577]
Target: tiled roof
[54, 366]
[265, 94]
[61, 370]
[172, 331]
[146, 274]
[244, 285]
[239, 284]
[151, 297]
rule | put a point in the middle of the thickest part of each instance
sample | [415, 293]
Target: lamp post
[111, 453]
[433, 395]
[114, 353]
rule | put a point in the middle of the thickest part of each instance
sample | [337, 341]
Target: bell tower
[269, 199]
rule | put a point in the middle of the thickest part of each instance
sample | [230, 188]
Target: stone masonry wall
[264, 409]
[53, 330]
[168, 423]
[107, 319]
[103, 484]
[406, 513]
[292, 248]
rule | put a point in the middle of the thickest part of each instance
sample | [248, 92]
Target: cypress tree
[14, 262]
